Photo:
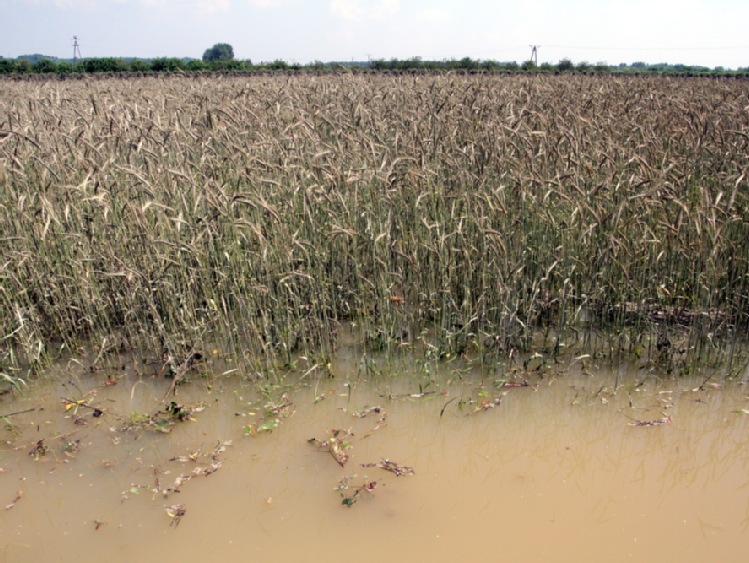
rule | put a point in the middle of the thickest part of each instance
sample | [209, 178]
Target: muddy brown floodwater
[565, 469]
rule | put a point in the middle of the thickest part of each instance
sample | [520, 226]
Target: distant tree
[413, 63]
[379, 64]
[196, 65]
[45, 66]
[23, 66]
[528, 65]
[583, 66]
[64, 67]
[226, 65]
[138, 65]
[33, 59]
[601, 66]
[565, 65]
[278, 64]
[6, 66]
[167, 64]
[467, 63]
[104, 64]
[219, 52]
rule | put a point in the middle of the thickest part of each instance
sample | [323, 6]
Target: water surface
[564, 469]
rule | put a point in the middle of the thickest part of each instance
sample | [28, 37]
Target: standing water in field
[436, 463]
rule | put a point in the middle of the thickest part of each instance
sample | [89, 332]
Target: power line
[615, 48]
[76, 49]
[534, 54]
[588, 48]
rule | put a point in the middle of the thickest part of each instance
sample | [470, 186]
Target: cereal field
[470, 215]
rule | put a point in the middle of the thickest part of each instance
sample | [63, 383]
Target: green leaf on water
[268, 425]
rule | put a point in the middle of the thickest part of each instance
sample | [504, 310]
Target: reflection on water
[558, 470]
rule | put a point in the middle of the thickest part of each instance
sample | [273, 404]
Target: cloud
[72, 4]
[201, 7]
[346, 9]
[208, 7]
[437, 15]
[356, 10]
[194, 7]
[386, 8]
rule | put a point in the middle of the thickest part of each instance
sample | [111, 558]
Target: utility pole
[534, 54]
[76, 49]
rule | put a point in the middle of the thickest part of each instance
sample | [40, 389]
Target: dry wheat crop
[267, 210]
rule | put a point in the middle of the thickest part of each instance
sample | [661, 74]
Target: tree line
[220, 60]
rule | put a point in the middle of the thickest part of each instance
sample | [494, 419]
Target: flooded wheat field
[575, 461]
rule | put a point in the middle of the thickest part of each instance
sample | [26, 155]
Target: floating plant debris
[365, 412]
[350, 499]
[162, 420]
[335, 445]
[40, 450]
[11, 504]
[274, 413]
[658, 422]
[381, 421]
[214, 464]
[487, 404]
[393, 467]
[419, 395]
[176, 512]
[522, 383]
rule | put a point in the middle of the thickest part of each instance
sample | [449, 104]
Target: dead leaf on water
[335, 445]
[382, 420]
[176, 512]
[522, 383]
[365, 412]
[664, 420]
[420, 395]
[198, 471]
[337, 451]
[393, 467]
[10, 505]
[487, 404]
[39, 450]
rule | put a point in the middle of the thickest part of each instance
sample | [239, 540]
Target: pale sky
[695, 32]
